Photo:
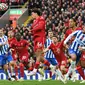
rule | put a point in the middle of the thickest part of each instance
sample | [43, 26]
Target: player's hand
[66, 46]
[80, 48]
[12, 49]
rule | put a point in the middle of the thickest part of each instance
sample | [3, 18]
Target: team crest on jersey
[84, 56]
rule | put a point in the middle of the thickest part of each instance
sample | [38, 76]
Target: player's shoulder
[68, 30]
[78, 28]
[41, 18]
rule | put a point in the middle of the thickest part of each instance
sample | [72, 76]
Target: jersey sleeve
[70, 36]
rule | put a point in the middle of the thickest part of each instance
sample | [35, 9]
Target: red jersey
[38, 31]
[58, 52]
[12, 46]
[22, 50]
[69, 31]
[83, 56]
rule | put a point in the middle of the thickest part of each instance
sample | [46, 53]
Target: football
[3, 6]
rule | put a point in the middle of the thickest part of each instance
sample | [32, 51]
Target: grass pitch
[35, 82]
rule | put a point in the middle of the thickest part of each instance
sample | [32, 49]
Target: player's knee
[21, 64]
[62, 67]
[12, 63]
[5, 67]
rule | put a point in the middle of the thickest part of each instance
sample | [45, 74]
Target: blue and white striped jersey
[78, 41]
[4, 48]
[49, 54]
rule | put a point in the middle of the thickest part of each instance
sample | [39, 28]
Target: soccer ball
[3, 6]
[12, 79]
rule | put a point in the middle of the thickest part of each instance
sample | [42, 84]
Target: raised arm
[70, 36]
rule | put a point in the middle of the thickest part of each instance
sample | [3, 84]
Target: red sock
[21, 70]
[46, 63]
[37, 65]
[81, 72]
[16, 70]
[50, 74]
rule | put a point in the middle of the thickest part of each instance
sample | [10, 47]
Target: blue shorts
[71, 51]
[1, 60]
[52, 61]
[5, 59]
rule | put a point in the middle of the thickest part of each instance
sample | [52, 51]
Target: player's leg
[60, 75]
[14, 56]
[21, 66]
[73, 63]
[39, 58]
[81, 64]
[63, 67]
[6, 69]
[53, 63]
[12, 65]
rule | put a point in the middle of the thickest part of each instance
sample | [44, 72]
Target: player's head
[35, 13]
[71, 23]
[18, 36]
[1, 32]
[50, 34]
[55, 39]
[10, 33]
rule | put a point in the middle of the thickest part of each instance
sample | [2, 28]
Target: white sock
[34, 70]
[73, 64]
[59, 74]
[71, 68]
[8, 74]
[53, 70]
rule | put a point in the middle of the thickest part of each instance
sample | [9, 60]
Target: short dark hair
[55, 36]
[17, 34]
[37, 11]
[50, 31]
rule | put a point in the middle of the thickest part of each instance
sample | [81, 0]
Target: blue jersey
[78, 41]
[5, 55]
[49, 54]
[4, 48]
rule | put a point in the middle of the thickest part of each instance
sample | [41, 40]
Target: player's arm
[45, 50]
[69, 37]
[81, 48]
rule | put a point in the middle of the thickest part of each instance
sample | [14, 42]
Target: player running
[57, 49]
[73, 49]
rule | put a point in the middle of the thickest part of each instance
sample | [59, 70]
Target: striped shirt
[4, 48]
[49, 54]
[78, 41]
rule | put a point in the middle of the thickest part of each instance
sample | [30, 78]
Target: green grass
[35, 82]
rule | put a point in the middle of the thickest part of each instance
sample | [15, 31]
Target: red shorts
[39, 43]
[24, 57]
[83, 56]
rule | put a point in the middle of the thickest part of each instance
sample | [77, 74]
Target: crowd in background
[57, 14]
[13, 2]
